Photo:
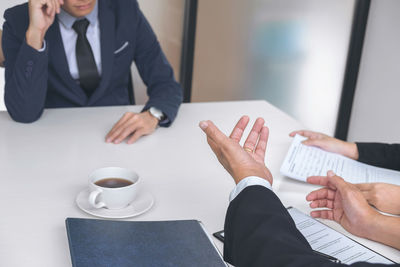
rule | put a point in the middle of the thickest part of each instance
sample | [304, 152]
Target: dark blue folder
[98, 243]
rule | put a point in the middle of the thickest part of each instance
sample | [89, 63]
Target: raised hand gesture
[239, 161]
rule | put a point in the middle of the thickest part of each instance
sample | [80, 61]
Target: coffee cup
[112, 187]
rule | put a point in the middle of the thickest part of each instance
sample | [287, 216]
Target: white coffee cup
[112, 198]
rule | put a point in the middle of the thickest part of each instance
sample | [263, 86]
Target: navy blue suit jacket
[37, 80]
[260, 232]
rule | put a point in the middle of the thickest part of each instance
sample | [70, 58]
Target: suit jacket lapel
[58, 61]
[107, 41]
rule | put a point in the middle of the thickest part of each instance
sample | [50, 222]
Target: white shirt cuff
[248, 181]
[44, 46]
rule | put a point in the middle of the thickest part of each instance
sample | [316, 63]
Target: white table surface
[44, 165]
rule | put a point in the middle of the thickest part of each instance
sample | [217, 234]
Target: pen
[333, 259]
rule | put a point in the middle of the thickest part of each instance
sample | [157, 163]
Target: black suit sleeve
[380, 155]
[260, 232]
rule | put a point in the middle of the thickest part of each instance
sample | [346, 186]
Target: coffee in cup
[112, 187]
[113, 182]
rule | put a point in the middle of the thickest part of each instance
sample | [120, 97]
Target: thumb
[212, 131]
[337, 181]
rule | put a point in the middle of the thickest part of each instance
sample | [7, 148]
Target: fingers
[323, 214]
[313, 142]
[322, 203]
[57, 4]
[138, 124]
[337, 181]
[292, 134]
[212, 132]
[262, 143]
[252, 139]
[323, 193]
[331, 180]
[118, 127]
[318, 180]
[49, 5]
[124, 127]
[313, 138]
[305, 133]
[136, 135]
[127, 130]
[53, 8]
[237, 132]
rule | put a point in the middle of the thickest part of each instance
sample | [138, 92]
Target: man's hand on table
[240, 162]
[134, 125]
[328, 143]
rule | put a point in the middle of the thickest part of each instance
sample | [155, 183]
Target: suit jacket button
[30, 63]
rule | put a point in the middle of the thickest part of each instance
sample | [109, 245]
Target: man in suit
[78, 53]
[258, 229]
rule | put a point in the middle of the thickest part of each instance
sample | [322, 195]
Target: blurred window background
[290, 53]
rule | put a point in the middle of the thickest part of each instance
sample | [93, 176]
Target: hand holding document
[303, 161]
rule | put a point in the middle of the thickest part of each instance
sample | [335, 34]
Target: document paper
[324, 239]
[303, 161]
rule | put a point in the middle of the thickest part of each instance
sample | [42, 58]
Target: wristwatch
[158, 114]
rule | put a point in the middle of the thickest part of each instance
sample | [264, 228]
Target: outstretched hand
[239, 161]
[328, 143]
[344, 202]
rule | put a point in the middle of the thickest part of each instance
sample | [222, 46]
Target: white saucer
[142, 203]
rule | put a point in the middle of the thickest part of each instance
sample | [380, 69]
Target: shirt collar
[68, 20]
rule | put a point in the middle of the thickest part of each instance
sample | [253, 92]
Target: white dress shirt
[69, 37]
[248, 181]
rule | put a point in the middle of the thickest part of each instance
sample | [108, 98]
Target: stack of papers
[303, 161]
[328, 241]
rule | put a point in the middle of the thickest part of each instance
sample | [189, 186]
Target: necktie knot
[80, 26]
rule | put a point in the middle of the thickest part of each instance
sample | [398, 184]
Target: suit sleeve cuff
[246, 182]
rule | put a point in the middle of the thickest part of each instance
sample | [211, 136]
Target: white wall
[376, 108]
[166, 18]
[290, 53]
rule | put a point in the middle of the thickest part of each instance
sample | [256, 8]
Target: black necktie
[88, 75]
